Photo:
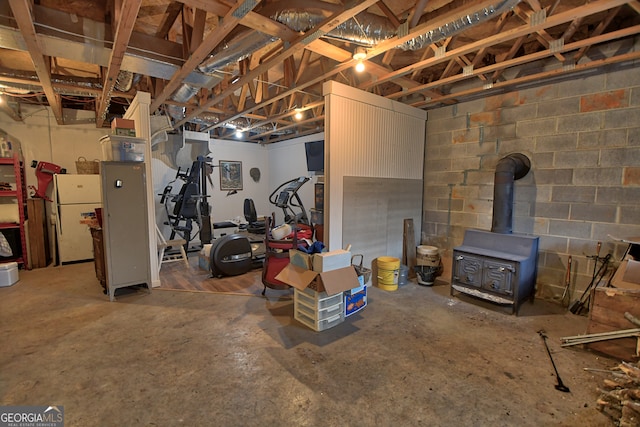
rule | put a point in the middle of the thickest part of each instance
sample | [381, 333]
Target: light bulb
[360, 66]
[238, 134]
[298, 115]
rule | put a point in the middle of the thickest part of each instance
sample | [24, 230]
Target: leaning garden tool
[560, 386]
[567, 283]
[577, 306]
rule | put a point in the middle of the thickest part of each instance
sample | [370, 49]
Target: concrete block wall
[583, 139]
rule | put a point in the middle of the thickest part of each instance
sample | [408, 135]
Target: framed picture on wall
[230, 175]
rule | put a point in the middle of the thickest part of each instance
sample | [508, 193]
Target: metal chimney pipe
[509, 168]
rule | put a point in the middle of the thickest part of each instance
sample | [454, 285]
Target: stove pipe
[509, 168]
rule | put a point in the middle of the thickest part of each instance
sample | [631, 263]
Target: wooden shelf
[20, 194]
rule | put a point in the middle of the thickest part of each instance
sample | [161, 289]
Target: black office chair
[250, 214]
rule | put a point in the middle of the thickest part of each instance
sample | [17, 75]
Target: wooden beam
[597, 31]
[128, 15]
[502, 37]
[252, 20]
[227, 24]
[170, 15]
[537, 56]
[538, 77]
[197, 34]
[542, 36]
[22, 12]
[298, 46]
[389, 13]
[6, 108]
[303, 122]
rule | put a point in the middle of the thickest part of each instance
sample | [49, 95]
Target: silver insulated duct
[459, 24]
[364, 29]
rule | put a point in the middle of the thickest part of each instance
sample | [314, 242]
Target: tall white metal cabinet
[125, 225]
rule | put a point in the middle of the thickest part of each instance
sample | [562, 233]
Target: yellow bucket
[388, 271]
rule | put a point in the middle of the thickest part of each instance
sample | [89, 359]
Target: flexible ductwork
[124, 81]
[459, 24]
[364, 29]
[236, 50]
[509, 169]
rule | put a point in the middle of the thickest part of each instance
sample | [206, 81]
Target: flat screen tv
[315, 156]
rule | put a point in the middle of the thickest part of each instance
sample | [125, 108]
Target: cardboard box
[119, 123]
[300, 259]
[354, 302]
[606, 314]
[332, 282]
[627, 275]
[332, 260]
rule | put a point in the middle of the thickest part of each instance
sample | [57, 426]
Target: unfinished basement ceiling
[220, 65]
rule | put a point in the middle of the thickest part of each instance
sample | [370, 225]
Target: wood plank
[409, 247]
[621, 348]
[607, 315]
[39, 255]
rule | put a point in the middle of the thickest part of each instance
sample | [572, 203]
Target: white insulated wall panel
[374, 142]
[366, 136]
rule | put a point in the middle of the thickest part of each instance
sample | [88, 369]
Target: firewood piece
[629, 415]
[631, 318]
[632, 405]
[618, 383]
[629, 369]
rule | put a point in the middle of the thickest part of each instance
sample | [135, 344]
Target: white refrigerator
[75, 199]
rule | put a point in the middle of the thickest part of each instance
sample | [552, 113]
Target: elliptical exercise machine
[286, 198]
[232, 254]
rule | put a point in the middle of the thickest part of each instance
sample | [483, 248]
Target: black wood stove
[498, 266]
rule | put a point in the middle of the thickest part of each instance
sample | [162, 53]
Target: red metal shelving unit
[20, 194]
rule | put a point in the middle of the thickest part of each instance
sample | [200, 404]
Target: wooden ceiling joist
[304, 40]
[128, 15]
[165, 42]
[22, 13]
[228, 23]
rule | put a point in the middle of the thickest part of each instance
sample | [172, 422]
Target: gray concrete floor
[412, 357]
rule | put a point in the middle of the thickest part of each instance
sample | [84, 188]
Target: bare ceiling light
[360, 53]
[298, 114]
[239, 133]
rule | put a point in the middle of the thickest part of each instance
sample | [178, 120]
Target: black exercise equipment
[254, 226]
[230, 256]
[190, 204]
[286, 198]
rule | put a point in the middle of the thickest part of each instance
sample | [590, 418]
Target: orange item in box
[119, 123]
